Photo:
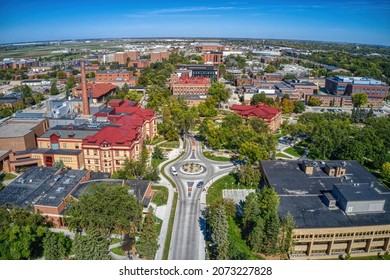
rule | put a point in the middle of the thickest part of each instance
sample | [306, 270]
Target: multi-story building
[108, 76]
[18, 63]
[272, 116]
[124, 57]
[97, 92]
[200, 70]
[139, 64]
[159, 56]
[213, 57]
[107, 150]
[20, 134]
[190, 85]
[209, 46]
[338, 207]
[349, 85]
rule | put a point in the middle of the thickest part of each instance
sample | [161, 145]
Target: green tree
[258, 125]
[249, 176]
[270, 69]
[253, 152]
[61, 75]
[53, 89]
[359, 99]
[134, 96]
[219, 233]
[158, 153]
[314, 101]
[91, 246]
[131, 170]
[21, 234]
[147, 244]
[286, 232]
[105, 208]
[56, 246]
[287, 106]
[261, 98]
[59, 164]
[70, 83]
[219, 92]
[299, 107]
[386, 170]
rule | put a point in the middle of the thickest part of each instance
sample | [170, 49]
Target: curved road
[187, 241]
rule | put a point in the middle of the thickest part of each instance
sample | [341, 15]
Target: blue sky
[342, 21]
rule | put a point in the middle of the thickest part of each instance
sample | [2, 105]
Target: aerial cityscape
[207, 131]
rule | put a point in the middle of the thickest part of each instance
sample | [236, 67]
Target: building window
[96, 161]
[76, 146]
[87, 151]
[64, 146]
[117, 153]
[95, 153]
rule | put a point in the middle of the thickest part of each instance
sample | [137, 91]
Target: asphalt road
[187, 241]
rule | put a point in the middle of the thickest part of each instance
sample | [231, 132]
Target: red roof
[118, 136]
[260, 110]
[98, 90]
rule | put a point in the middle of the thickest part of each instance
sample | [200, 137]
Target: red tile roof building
[190, 85]
[272, 116]
[107, 150]
[99, 91]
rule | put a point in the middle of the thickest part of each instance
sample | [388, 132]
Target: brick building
[349, 85]
[107, 150]
[159, 56]
[209, 46]
[215, 58]
[20, 134]
[123, 57]
[189, 85]
[139, 64]
[98, 92]
[108, 76]
[272, 116]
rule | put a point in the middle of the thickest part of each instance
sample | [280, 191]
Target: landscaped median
[167, 243]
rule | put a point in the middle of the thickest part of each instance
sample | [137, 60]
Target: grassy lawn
[167, 243]
[382, 257]
[118, 251]
[295, 151]
[283, 156]
[115, 240]
[156, 140]
[211, 156]
[9, 176]
[170, 144]
[156, 161]
[160, 196]
[215, 191]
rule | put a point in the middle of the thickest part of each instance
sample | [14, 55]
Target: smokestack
[84, 88]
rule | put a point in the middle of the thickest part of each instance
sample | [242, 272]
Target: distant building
[209, 46]
[200, 70]
[349, 85]
[272, 116]
[159, 56]
[123, 57]
[189, 85]
[338, 207]
[108, 76]
[139, 64]
[11, 101]
[97, 92]
[18, 63]
[215, 58]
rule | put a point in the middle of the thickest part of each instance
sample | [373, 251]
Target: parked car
[200, 184]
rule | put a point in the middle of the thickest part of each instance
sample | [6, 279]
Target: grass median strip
[167, 243]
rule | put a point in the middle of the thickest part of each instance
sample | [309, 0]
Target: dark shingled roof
[301, 194]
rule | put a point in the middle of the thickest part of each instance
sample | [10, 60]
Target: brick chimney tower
[84, 88]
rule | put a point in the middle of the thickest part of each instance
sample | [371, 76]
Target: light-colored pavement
[188, 240]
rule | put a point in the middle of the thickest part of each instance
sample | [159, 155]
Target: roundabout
[192, 168]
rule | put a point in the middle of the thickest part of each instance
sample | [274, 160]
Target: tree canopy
[104, 208]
